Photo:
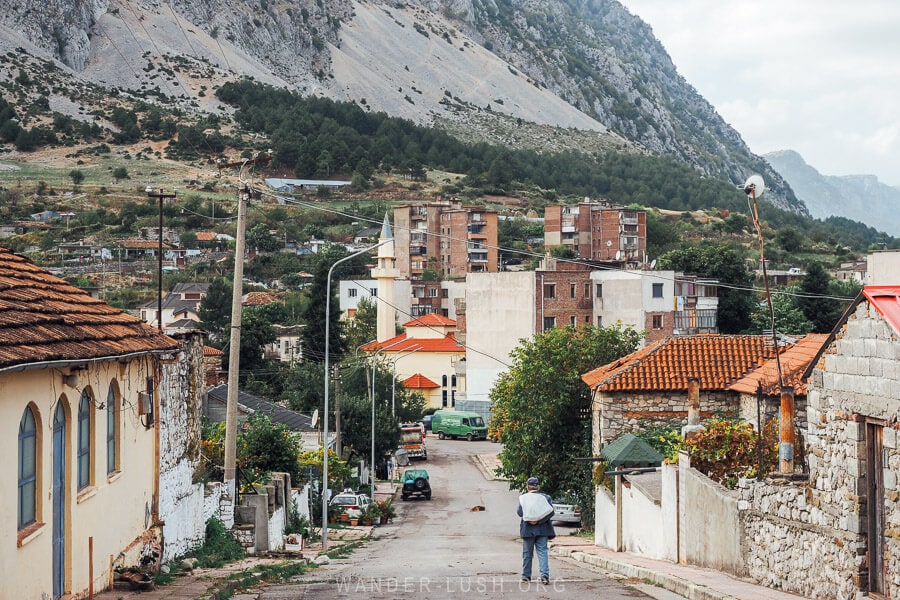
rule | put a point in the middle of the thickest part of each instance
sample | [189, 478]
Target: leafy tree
[120, 173]
[789, 318]
[188, 239]
[256, 332]
[356, 428]
[266, 447]
[77, 176]
[215, 309]
[545, 406]
[822, 310]
[260, 238]
[789, 238]
[363, 326]
[725, 263]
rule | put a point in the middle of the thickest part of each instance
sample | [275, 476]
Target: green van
[457, 423]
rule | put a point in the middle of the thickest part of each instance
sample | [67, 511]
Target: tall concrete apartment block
[598, 232]
[446, 237]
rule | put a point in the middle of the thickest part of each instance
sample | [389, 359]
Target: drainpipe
[786, 448]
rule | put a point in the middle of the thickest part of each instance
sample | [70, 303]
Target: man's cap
[532, 482]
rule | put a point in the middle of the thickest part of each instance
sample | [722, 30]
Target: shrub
[219, 548]
[726, 451]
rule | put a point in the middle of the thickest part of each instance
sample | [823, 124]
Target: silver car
[566, 513]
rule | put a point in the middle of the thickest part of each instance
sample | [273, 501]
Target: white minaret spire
[386, 272]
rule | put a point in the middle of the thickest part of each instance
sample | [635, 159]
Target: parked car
[351, 503]
[566, 512]
[457, 423]
[415, 483]
[426, 422]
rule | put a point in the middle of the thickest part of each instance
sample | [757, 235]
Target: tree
[789, 318]
[815, 302]
[256, 332]
[215, 309]
[77, 176]
[120, 173]
[188, 239]
[266, 447]
[725, 263]
[545, 406]
[363, 326]
[260, 238]
[356, 428]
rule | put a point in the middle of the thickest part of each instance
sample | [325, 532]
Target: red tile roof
[716, 360]
[206, 236]
[431, 320]
[403, 344]
[886, 300]
[419, 382]
[44, 318]
[258, 298]
[145, 244]
[794, 361]
[210, 351]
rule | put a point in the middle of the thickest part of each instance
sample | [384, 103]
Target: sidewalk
[694, 583]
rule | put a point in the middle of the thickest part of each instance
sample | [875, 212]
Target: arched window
[27, 469]
[84, 440]
[112, 430]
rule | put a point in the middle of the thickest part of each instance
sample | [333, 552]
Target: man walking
[535, 529]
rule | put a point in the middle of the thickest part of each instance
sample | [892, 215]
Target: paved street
[443, 549]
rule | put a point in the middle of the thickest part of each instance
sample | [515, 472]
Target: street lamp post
[394, 378]
[325, 417]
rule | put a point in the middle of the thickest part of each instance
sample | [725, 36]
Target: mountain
[858, 197]
[546, 74]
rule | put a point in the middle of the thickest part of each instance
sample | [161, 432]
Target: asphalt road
[441, 548]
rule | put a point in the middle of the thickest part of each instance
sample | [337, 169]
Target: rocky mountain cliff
[481, 68]
[858, 197]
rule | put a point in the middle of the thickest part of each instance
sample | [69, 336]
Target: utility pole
[161, 196]
[337, 409]
[234, 349]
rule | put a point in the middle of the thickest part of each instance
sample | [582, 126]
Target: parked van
[454, 424]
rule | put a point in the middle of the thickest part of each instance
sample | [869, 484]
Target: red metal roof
[715, 360]
[886, 300]
[405, 344]
[419, 382]
[431, 320]
[794, 361]
[44, 318]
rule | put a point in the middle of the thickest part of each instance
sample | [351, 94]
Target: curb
[680, 586]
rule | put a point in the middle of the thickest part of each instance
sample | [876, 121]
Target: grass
[344, 550]
[274, 573]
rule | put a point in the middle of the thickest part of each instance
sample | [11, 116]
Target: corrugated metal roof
[715, 360]
[44, 318]
[886, 300]
[290, 418]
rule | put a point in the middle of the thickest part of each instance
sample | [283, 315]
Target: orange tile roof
[146, 244]
[431, 320]
[794, 361]
[44, 318]
[419, 382]
[258, 298]
[404, 344]
[716, 360]
[210, 351]
[205, 236]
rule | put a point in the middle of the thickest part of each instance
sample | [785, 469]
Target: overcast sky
[821, 77]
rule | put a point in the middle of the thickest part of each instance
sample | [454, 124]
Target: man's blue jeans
[529, 545]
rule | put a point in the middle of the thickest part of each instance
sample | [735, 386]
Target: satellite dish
[315, 418]
[608, 243]
[618, 255]
[652, 264]
[755, 185]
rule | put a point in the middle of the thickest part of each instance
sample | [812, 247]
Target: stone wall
[624, 412]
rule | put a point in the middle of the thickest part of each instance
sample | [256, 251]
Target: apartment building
[598, 232]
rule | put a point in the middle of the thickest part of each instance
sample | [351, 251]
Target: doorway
[59, 501]
[875, 508]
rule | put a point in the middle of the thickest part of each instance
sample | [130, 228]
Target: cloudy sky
[821, 77]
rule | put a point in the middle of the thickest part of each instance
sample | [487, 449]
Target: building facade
[598, 232]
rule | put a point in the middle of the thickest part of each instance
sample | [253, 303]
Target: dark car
[426, 421]
[415, 483]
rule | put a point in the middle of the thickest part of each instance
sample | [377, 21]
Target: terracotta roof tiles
[419, 382]
[44, 318]
[403, 343]
[716, 360]
[431, 320]
[794, 361]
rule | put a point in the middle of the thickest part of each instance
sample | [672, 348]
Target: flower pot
[384, 519]
[345, 517]
[354, 522]
[367, 522]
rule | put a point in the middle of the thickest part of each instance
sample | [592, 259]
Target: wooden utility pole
[161, 196]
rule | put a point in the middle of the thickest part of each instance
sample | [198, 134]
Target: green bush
[219, 548]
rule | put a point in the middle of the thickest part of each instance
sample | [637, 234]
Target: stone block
[889, 438]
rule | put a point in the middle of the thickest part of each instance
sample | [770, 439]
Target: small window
[657, 290]
[112, 431]
[657, 322]
[599, 321]
[373, 292]
[572, 288]
[351, 293]
[587, 290]
[573, 320]
[599, 290]
[445, 293]
[84, 441]
[27, 469]
[432, 293]
[549, 323]
[550, 290]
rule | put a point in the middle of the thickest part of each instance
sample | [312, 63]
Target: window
[351, 293]
[599, 321]
[599, 290]
[444, 398]
[573, 321]
[657, 290]
[657, 322]
[549, 290]
[27, 469]
[432, 292]
[453, 380]
[445, 293]
[549, 323]
[587, 290]
[84, 440]
[571, 290]
[443, 380]
[112, 430]
[373, 292]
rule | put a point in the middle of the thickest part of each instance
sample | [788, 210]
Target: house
[432, 350]
[287, 346]
[651, 385]
[598, 232]
[291, 186]
[183, 302]
[107, 432]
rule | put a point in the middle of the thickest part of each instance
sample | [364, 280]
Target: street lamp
[325, 420]
[372, 460]
[394, 378]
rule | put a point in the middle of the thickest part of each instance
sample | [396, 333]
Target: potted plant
[369, 515]
[386, 510]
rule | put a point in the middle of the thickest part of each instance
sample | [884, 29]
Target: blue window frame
[27, 469]
[84, 441]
